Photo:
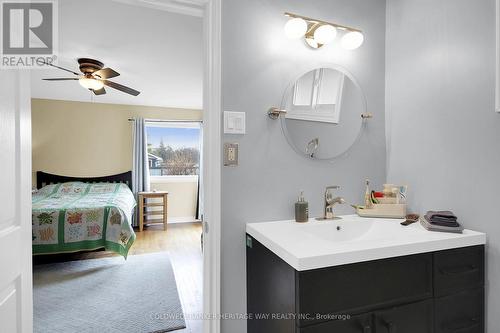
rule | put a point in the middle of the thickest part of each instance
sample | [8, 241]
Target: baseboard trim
[182, 219]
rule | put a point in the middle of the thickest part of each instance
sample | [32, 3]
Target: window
[173, 148]
[317, 96]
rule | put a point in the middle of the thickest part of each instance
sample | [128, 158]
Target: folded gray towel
[452, 224]
[441, 213]
[442, 218]
[432, 227]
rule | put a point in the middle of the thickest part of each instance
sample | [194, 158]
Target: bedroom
[151, 142]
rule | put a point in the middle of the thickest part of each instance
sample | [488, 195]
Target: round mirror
[325, 109]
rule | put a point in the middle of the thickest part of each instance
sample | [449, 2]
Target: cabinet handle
[367, 329]
[474, 322]
[391, 327]
[459, 271]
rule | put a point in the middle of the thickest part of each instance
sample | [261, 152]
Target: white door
[16, 305]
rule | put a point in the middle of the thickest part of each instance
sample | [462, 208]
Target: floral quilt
[78, 216]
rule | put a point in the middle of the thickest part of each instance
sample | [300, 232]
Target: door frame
[210, 11]
[212, 143]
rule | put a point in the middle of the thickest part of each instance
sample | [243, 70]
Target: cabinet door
[411, 318]
[458, 269]
[364, 287]
[355, 324]
[461, 312]
[270, 291]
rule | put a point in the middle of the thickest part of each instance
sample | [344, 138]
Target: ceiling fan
[94, 77]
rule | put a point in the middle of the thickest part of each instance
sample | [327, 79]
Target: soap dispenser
[301, 209]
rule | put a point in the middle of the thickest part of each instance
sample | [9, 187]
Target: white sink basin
[343, 230]
[318, 244]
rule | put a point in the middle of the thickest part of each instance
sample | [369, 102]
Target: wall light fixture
[317, 33]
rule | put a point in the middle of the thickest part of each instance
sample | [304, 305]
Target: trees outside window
[173, 151]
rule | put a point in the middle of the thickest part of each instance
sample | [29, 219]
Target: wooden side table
[144, 213]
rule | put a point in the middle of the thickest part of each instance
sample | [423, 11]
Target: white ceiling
[156, 52]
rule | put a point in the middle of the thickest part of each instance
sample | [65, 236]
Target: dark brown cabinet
[424, 293]
[356, 324]
[462, 312]
[410, 318]
[363, 286]
[458, 269]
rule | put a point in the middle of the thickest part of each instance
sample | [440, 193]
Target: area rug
[110, 295]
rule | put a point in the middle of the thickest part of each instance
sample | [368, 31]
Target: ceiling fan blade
[120, 87]
[64, 69]
[101, 91]
[106, 73]
[62, 79]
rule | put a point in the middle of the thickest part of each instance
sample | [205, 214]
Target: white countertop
[318, 244]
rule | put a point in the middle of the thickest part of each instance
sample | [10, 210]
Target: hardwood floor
[182, 242]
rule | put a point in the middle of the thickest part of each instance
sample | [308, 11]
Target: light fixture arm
[274, 112]
[319, 22]
[311, 28]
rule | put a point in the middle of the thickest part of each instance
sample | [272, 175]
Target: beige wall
[95, 139]
[182, 197]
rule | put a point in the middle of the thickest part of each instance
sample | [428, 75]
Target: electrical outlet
[230, 154]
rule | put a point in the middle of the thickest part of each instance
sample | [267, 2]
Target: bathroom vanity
[363, 275]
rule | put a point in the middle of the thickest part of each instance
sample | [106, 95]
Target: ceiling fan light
[90, 83]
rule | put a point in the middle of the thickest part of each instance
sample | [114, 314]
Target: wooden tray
[393, 211]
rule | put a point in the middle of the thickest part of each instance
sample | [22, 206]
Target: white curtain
[199, 212]
[140, 167]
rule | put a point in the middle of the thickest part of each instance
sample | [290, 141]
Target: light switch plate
[234, 122]
[231, 151]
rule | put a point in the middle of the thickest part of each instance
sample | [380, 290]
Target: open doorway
[16, 311]
[83, 141]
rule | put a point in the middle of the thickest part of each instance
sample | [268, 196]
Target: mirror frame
[289, 93]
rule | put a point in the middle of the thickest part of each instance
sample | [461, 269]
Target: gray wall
[443, 133]
[258, 62]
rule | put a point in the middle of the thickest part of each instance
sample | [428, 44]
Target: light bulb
[90, 83]
[295, 28]
[352, 40]
[325, 34]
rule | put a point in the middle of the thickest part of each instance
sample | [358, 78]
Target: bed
[72, 214]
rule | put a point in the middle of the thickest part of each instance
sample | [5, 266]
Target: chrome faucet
[330, 201]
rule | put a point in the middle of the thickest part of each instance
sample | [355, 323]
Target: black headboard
[43, 178]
